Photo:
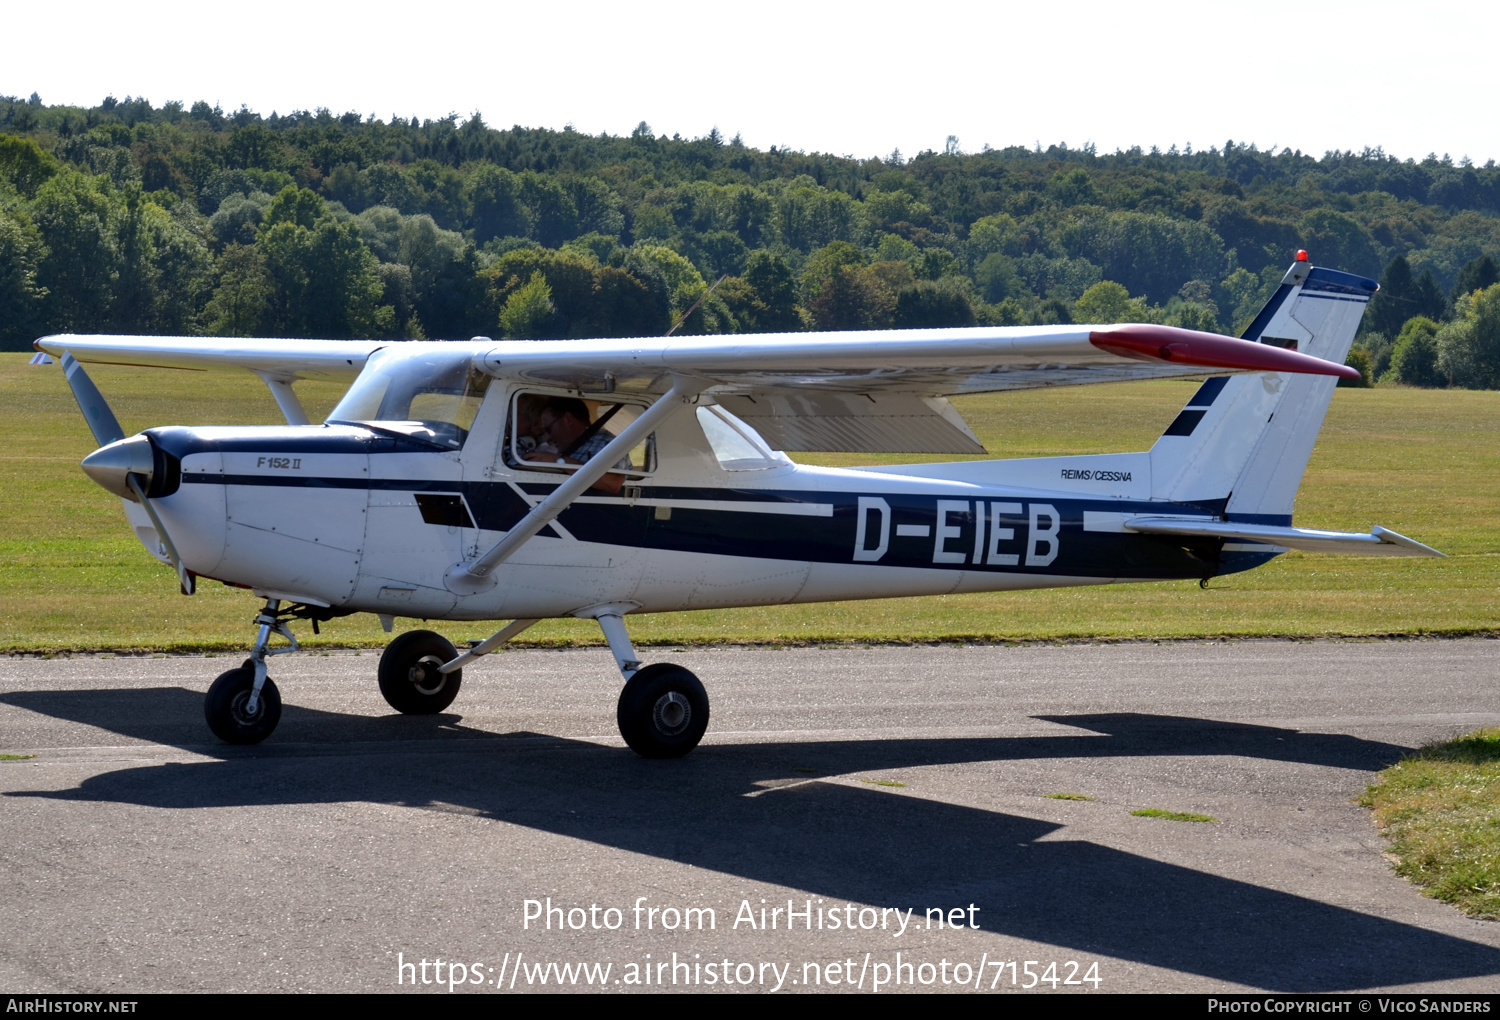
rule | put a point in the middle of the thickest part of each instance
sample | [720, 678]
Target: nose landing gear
[243, 706]
[230, 712]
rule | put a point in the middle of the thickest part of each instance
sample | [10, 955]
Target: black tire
[224, 707]
[663, 711]
[409, 679]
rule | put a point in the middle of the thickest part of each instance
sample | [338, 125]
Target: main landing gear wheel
[409, 677]
[663, 711]
[225, 708]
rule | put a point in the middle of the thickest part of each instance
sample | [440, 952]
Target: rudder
[1242, 442]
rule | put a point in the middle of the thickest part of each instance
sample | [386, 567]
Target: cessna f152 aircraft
[522, 480]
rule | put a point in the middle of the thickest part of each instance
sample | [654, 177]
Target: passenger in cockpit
[564, 434]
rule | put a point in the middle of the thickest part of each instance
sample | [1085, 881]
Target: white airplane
[523, 480]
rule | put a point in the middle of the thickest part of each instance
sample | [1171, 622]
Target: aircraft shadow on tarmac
[837, 842]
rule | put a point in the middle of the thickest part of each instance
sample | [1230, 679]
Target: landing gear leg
[243, 706]
[663, 710]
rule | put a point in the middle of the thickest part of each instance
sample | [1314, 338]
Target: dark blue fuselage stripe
[496, 506]
[1275, 520]
[530, 488]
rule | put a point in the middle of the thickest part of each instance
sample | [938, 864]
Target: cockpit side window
[736, 446]
[554, 432]
[431, 397]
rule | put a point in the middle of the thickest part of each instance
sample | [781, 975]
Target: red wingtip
[1301, 255]
[1210, 350]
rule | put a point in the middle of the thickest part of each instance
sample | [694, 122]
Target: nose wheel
[243, 706]
[231, 714]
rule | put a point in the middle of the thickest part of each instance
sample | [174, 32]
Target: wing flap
[821, 421]
[1380, 541]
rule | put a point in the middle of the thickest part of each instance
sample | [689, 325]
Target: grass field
[1423, 462]
[1440, 808]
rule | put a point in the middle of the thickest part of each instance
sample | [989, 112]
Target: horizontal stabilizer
[1380, 541]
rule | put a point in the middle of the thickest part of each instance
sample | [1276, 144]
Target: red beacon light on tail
[1301, 255]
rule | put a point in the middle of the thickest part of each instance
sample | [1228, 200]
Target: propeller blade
[106, 429]
[185, 579]
[101, 420]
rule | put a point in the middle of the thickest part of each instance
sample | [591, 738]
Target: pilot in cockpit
[558, 430]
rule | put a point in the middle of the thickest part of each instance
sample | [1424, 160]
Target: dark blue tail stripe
[1261, 321]
[1209, 391]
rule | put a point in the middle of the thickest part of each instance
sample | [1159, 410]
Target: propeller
[184, 579]
[120, 464]
[102, 421]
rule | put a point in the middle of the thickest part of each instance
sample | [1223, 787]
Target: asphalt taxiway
[141, 855]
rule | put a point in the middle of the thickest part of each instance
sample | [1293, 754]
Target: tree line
[132, 218]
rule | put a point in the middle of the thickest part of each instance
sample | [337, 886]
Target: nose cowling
[159, 472]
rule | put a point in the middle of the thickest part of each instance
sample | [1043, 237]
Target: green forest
[131, 218]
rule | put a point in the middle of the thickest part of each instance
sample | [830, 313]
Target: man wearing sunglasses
[564, 435]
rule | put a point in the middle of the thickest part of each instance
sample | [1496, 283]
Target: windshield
[432, 396]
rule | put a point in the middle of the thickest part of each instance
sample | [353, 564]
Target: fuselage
[364, 519]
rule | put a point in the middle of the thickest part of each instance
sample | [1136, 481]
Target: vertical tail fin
[1243, 441]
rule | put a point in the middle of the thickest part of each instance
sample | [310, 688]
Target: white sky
[841, 78]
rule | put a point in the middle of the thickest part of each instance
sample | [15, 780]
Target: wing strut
[286, 398]
[475, 576]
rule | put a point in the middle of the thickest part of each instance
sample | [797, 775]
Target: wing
[927, 362]
[867, 391]
[885, 390]
[283, 360]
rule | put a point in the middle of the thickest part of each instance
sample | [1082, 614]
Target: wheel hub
[425, 676]
[672, 714]
[239, 709]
